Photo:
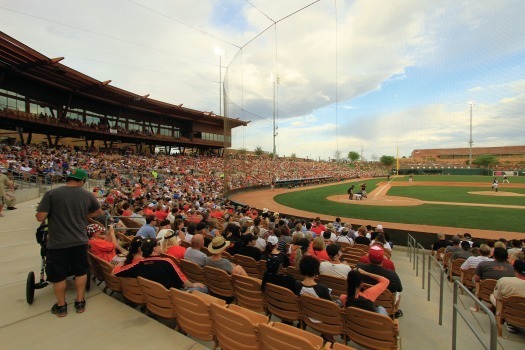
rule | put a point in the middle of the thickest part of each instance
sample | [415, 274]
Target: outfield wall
[455, 171]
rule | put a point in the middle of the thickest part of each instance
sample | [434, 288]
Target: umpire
[67, 209]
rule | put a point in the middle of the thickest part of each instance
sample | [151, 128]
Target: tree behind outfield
[258, 150]
[485, 161]
[387, 160]
[353, 156]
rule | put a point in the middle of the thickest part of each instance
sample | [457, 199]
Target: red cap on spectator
[376, 254]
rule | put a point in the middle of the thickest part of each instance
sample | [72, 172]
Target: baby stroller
[31, 284]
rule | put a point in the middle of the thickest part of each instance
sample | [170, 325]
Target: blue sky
[405, 68]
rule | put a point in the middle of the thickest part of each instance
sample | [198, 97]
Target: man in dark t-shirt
[67, 210]
[495, 269]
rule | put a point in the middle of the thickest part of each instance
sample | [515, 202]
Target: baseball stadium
[262, 175]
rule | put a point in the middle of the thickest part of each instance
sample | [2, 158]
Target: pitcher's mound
[498, 194]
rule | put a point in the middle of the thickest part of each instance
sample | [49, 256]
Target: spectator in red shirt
[104, 248]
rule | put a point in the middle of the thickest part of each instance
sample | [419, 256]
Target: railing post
[429, 275]
[441, 287]
[416, 259]
[423, 272]
[454, 316]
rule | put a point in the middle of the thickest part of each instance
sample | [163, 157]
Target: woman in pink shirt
[364, 299]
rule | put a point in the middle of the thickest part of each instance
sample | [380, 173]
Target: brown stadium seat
[248, 292]
[282, 303]
[485, 288]
[193, 313]
[371, 330]
[95, 269]
[455, 268]
[172, 258]
[467, 276]
[294, 272]
[337, 284]
[322, 315]
[278, 336]
[236, 327]
[511, 310]
[248, 264]
[131, 290]
[219, 282]
[112, 283]
[192, 271]
[158, 299]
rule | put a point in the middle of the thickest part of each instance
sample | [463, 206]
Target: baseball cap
[78, 174]
[376, 254]
[379, 227]
[273, 240]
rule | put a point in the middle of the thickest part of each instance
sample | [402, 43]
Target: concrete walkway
[106, 324]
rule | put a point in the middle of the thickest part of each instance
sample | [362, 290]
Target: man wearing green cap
[67, 210]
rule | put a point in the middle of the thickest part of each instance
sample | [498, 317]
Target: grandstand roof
[23, 60]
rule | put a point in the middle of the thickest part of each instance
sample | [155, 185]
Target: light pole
[470, 103]
[275, 81]
[220, 52]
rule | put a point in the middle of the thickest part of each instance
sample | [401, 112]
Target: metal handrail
[423, 260]
[493, 342]
[441, 284]
[411, 244]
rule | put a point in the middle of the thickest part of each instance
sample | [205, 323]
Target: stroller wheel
[30, 288]
[88, 283]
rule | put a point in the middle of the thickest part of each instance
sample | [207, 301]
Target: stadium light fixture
[470, 103]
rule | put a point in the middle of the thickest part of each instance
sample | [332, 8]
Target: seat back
[294, 272]
[236, 327]
[344, 245]
[248, 292]
[387, 299]
[322, 315]
[157, 297]
[125, 240]
[446, 260]
[112, 282]
[131, 290]
[467, 276]
[279, 336]
[227, 256]
[262, 267]
[94, 267]
[455, 267]
[337, 284]
[248, 264]
[193, 313]
[192, 271]
[363, 247]
[184, 244]
[370, 329]
[352, 257]
[219, 282]
[512, 311]
[485, 289]
[281, 302]
[339, 346]
[104, 265]
[172, 258]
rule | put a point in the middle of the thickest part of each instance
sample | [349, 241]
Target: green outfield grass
[500, 219]
[457, 194]
[458, 178]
